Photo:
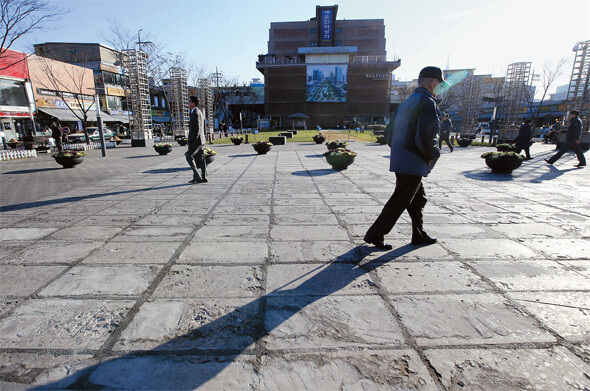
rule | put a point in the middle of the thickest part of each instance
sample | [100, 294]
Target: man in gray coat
[412, 136]
[572, 140]
[196, 142]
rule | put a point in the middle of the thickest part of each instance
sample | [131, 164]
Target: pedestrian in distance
[196, 142]
[524, 139]
[412, 136]
[445, 132]
[572, 140]
[57, 134]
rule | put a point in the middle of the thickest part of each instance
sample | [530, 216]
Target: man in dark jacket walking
[56, 134]
[523, 140]
[572, 140]
[445, 132]
[196, 142]
[412, 136]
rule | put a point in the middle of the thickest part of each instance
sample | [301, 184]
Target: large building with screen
[333, 71]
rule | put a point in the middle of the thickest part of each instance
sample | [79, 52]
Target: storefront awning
[68, 115]
[118, 118]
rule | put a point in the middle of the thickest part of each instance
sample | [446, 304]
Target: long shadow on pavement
[57, 201]
[318, 172]
[32, 170]
[191, 360]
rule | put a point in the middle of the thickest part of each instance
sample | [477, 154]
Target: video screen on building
[326, 83]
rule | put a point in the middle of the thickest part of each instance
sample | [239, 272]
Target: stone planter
[502, 162]
[69, 162]
[182, 141]
[163, 150]
[336, 144]
[262, 149]
[505, 148]
[237, 141]
[464, 142]
[319, 139]
[209, 159]
[381, 140]
[339, 162]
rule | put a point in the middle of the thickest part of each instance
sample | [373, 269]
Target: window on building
[13, 93]
[313, 31]
[337, 43]
[156, 101]
[163, 102]
[338, 29]
[115, 103]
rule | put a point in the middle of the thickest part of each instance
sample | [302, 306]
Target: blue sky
[229, 34]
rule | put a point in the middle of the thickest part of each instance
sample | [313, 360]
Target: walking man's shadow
[190, 360]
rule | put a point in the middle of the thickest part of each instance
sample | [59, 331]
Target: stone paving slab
[510, 369]
[260, 279]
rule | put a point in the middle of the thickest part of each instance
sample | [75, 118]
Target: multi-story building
[106, 64]
[331, 70]
[17, 104]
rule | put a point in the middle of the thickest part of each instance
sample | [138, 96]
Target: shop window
[13, 93]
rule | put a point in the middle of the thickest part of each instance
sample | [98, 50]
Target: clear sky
[229, 34]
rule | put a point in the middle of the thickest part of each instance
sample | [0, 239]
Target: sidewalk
[259, 279]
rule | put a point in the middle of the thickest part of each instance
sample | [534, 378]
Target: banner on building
[327, 83]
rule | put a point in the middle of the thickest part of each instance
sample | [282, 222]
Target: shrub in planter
[209, 155]
[182, 141]
[237, 140]
[464, 141]
[502, 162]
[319, 138]
[340, 158]
[381, 140]
[262, 147]
[505, 148]
[69, 159]
[163, 148]
[336, 144]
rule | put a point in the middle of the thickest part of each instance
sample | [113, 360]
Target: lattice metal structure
[135, 66]
[206, 104]
[179, 102]
[518, 78]
[470, 103]
[578, 93]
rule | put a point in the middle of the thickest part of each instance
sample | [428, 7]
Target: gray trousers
[196, 159]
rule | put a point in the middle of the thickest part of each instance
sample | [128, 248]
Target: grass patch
[302, 136]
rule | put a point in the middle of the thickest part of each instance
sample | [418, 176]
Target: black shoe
[528, 158]
[204, 180]
[194, 181]
[382, 245]
[420, 237]
[580, 165]
[548, 162]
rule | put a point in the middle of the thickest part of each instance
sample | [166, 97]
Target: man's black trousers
[408, 195]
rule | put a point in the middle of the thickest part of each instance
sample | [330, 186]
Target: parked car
[483, 128]
[93, 134]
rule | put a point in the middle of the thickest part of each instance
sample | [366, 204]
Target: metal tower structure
[470, 102]
[578, 93]
[179, 102]
[135, 66]
[518, 78]
[206, 104]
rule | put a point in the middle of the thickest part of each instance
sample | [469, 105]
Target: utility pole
[217, 76]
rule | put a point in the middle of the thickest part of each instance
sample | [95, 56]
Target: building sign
[110, 68]
[14, 114]
[377, 76]
[41, 91]
[327, 29]
[115, 91]
[328, 50]
[326, 83]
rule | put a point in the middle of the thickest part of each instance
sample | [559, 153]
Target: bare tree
[21, 17]
[551, 71]
[70, 84]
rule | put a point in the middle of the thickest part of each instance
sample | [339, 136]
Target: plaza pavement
[259, 280]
